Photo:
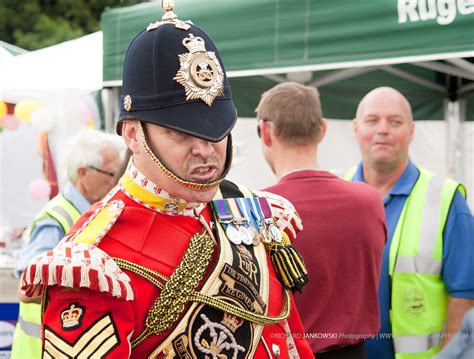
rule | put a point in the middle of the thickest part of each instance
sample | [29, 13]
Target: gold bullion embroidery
[99, 339]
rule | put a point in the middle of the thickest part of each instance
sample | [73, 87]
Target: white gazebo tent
[58, 77]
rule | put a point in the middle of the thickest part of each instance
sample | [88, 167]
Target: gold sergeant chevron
[95, 342]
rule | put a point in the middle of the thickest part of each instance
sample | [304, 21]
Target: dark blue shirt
[457, 262]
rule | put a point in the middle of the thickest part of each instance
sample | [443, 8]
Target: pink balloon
[39, 189]
[11, 122]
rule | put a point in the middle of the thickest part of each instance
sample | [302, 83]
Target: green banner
[265, 34]
[265, 37]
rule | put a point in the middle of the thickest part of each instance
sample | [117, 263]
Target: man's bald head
[384, 129]
[375, 95]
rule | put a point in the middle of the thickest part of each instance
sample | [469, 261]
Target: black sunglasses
[259, 131]
[111, 174]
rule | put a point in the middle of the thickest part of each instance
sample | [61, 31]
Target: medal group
[247, 220]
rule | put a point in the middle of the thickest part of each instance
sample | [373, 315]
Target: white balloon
[42, 120]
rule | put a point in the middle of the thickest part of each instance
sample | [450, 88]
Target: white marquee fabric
[75, 64]
[57, 77]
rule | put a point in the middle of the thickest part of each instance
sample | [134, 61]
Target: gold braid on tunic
[179, 289]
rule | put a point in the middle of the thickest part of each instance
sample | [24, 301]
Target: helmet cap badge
[200, 71]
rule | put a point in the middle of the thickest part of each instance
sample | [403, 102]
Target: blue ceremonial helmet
[173, 76]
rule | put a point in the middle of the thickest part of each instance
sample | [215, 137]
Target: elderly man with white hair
[92, 160]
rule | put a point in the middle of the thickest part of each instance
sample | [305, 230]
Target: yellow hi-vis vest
[27, 338]
[418, 294]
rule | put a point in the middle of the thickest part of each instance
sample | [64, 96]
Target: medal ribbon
[253, 213]
[244, 210]
[223, 213]
[221, 206]
[258, 211]
[237, 216]
[267, 212]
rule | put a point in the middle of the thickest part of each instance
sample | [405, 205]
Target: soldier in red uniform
[175, 262]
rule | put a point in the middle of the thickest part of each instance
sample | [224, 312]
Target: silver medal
[255, 236]
[275, 232]
[233, 235]
[265, 235]
[246, 236]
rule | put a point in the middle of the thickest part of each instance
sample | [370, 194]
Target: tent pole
[454, 114]
[461, 136]
[110, 101]
[107, 109]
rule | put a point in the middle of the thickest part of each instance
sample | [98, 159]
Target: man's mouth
[204, 173]
[202, 170]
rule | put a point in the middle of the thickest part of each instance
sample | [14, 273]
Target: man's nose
[202, 148]
[382, 126]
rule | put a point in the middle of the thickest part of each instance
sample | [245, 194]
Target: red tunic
[342, 244]
[157, 241]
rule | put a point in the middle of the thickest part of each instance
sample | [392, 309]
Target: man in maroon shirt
[344, 225]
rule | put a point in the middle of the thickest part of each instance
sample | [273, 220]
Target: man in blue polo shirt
[426, 283]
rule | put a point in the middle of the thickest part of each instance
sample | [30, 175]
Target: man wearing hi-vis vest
[426, 282]
[92, 159]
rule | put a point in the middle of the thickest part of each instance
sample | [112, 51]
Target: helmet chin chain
[198, 186]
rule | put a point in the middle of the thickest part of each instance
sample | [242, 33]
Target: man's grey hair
[85, 149]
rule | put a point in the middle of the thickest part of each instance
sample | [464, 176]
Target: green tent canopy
[424, 48]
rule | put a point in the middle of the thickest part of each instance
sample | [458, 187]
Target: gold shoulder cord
[44, 298]
[179, 289]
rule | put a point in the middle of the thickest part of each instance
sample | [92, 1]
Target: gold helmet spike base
[169, 17]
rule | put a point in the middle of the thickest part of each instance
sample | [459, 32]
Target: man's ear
[354, 125]
[130, 135]
[324, 127]
[81, 176]
[81, 172]
[267, 134]
[412, 131]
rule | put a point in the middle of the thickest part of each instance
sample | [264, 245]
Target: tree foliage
[33, 24]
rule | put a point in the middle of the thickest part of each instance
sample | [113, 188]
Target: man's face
[189, 157]
[97, 182]
[384, 130]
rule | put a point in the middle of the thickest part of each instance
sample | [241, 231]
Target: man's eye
[179, 136]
